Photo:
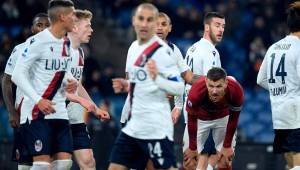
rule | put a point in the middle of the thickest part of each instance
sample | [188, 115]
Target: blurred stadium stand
[251, 27]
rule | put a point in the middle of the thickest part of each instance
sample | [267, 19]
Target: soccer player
[81, 141]
[201, 57]
[280, 74]
[149, 131]
[214, 104]
[13, 97]
[40, 73]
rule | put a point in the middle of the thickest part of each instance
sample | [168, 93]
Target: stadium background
[251, 27]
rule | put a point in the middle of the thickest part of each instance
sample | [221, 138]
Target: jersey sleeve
[20, 76]
[235, 107]
[262, 77]
[195, 96]
[169, 78]
[180, 61]
[11, 62]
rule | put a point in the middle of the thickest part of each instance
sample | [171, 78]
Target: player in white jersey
[13, 96]
[280, 74]
[148, 132]
[201, 57]
[44, 117]
[81, 141]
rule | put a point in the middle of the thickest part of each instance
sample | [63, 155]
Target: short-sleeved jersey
[200, 57]
[48, 59]
[182, 68]
[75, 110]
[150, 109]
[200, 106]
[10, 66]
[280, 74]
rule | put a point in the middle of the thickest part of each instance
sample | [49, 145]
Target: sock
[209, 167]
[24, 167]
[296, 168]
[39, 165]
[64, 164]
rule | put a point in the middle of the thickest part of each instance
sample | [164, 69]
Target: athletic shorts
[80, 135]
[286, 140]
[134, 153]
[20, 153]
[47, 136]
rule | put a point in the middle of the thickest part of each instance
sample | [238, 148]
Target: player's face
[39, 24]
[84, 30]
[163, 27]
[144, 22]
[216, 89]
[69, 19]
[216, 29]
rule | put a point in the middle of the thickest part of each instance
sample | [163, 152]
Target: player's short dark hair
[216, 73]
[60, 3]
[209, 15]
[162, 14]
[55, 6]
[293, 17]
[39, 15]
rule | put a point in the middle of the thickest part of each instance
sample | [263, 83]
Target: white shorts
[218, 128]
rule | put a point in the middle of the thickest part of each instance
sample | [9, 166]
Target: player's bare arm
[14, 118]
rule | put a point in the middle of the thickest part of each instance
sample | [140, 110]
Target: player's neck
[74, 40]
[57, 31]
[144, 41]
[205, 36]
[297, 34]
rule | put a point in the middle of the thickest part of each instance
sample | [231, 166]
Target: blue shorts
[134, 153]
[209, 146]
[47, 136]
[286, 140]
[80, 135]
[20, 153]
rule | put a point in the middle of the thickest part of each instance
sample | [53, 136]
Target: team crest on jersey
[38, 145]
[190, 104]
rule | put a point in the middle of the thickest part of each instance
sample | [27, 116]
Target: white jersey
[48, 59]
[10, 66]
[150, 109]
[280, 74]
[182, 68]
[200, 57]
[75, 110]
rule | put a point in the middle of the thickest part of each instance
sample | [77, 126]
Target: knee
[87, 163]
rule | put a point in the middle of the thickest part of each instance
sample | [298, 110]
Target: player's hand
[46, 106]
[71, 86]
[175, 114]
[119, 85]
[228, 154]
[102, 114]
[152, 69]
[190, 158]
[14, 119]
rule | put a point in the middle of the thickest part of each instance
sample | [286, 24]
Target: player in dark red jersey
[214, 103]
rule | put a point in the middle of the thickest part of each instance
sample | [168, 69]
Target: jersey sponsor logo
[57, 64]
[38, 145]
[77, 72]
[137, 74]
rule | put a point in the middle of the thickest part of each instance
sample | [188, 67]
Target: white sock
[24, 167]
[64, 164]
[209, 167]
[296, 168]
[39, 165]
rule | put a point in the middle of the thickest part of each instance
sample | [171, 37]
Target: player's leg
[161, 152]
[82, 149]
[61, 144]
[209, 151]
[126, 154]
[289, 159]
